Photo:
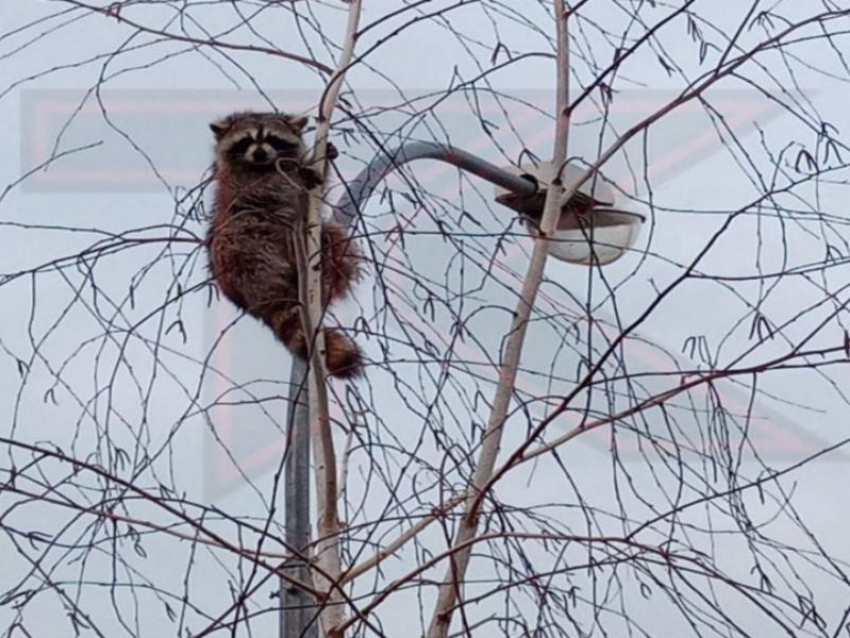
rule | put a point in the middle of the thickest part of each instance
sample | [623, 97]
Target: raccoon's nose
[260, 155]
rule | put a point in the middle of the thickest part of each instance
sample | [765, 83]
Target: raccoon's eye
[280, 144]
[241, 146]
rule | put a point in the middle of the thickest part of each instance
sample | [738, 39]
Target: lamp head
[592, 230]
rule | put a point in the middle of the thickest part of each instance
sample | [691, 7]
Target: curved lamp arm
[360, 189]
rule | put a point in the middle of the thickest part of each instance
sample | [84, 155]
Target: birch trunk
[327, 548]
[450, 589]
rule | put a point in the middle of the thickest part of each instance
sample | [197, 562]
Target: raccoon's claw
[331, 152]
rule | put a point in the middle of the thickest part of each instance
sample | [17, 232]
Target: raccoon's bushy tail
[343, 356]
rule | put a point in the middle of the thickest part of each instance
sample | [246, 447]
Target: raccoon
[261, 205]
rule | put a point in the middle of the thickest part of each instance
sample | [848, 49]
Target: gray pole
[298, 615]
[297, 619]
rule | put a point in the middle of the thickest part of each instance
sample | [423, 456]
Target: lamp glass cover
[598, 238]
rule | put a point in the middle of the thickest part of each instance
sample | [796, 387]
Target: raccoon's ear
[220, 127]
[298, 122]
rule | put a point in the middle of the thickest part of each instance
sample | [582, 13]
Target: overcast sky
[129, 154]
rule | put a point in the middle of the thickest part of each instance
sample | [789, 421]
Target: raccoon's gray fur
[261, 204]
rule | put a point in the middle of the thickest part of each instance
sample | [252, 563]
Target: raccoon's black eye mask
[280, 144]
[277, 143]
[241, 146]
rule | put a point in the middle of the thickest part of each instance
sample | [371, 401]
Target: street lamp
[592, 230]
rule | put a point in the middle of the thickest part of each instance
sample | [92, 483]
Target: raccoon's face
[259, 141]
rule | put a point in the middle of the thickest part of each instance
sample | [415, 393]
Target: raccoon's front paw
[311, 177]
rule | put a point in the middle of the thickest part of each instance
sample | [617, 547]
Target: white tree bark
[450, 589]
[328, 527]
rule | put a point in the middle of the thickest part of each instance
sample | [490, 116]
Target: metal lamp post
[592, 230]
